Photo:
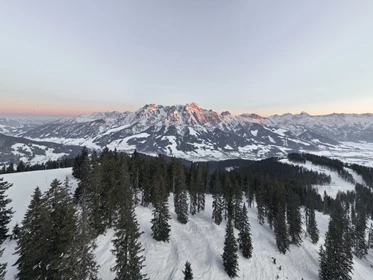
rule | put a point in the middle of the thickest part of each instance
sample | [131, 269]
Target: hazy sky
[265, 57]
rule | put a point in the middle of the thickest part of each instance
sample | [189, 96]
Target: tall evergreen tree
[193, 192]
[188, 274]
[336, 257]
[360, 244]
[230, 257]
[127, 247]
[281, 231]
[160, 224]
[62, 225]
[244, 236]
[312, 229]
[180, 193]
[200, 188]
[217, 203]
[6, 214]
[32, 245]
[294, 218]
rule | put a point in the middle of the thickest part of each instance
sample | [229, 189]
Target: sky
[266, 57]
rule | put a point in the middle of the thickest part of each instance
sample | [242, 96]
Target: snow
[200, 242]
[337, 183]
[254, 132]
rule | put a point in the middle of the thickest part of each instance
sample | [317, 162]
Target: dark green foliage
[312, 229]
[15, 232]
[336, 257]
[188, 274]
[81, 164]
[160, 222]
[360, 244]
[218, 203]
[5, 217]
[193, 192]
[180, 193]
[61, 227]
[6, 213]
[32, 245]
[294, 218]
[127, 247]
[244, 236]
[200, 189]
[230, 257]
[281, 231]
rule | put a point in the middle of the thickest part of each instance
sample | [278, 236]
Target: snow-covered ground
[200, 242]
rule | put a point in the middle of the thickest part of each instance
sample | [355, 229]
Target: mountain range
[189, 131]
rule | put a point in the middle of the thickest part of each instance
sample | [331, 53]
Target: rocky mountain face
[191, 132]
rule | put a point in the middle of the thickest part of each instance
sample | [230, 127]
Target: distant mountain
[194, 133]
[14, 149]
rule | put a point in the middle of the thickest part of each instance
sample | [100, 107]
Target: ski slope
[200, 242]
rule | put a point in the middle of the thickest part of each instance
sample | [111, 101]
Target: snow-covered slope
[200, 242]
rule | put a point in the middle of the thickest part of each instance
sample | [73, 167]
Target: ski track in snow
[200, 242]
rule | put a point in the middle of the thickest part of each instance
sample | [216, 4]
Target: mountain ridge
[194, 133]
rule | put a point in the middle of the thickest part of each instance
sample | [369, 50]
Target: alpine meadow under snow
[200, 241]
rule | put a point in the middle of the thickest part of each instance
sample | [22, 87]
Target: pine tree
[281, 231]
[230, 257]
[193, 193]
[32, 245]
[237, 212]
[160, 224]
[6, 213]
[200, 188]
[244, 237]
[360, 244]
[5, 217]
[62, 225]
[312, 229]
[127, 247]
[294, 219]
[180, 194]
[336, 259]
[217, 204]
[81, 164]
[188, 274]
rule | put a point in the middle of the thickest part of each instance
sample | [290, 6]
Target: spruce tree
[294, 219]
[6, 213]
[188, 274]
[127, 247]
[5, 217]
[193, 192]
[180, 193]
[62, 225]
[230, 257]
[32, 245]
[281, 231]
[360, 244]
[244, 236]
[336, 259]
[200, 189]
[160, 224]
[237, 210]
[217, 203]
[312, 229]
